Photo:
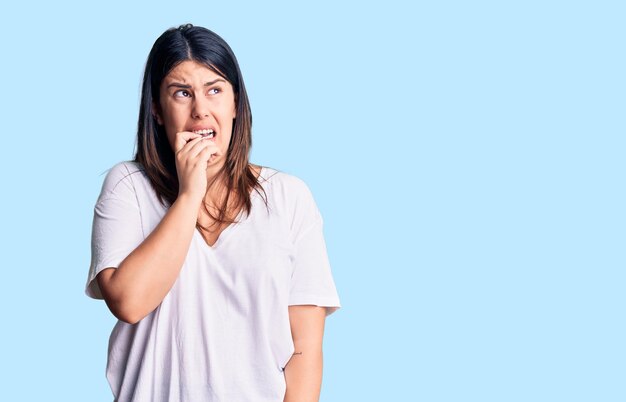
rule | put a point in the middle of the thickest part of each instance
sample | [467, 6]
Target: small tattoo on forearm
[297, 353]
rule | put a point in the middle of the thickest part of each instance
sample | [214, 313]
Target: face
[194, 98]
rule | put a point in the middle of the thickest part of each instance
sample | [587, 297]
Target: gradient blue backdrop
[468, 159]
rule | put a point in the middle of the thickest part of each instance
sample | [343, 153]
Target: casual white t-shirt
[222, 332]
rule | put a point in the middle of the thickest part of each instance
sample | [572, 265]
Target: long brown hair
[154, 152]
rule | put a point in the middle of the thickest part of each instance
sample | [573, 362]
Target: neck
[213, 173]
[217, 186]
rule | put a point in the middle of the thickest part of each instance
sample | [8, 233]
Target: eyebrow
[186, 86]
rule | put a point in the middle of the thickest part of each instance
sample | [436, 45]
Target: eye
[182, 93]
[214, 91]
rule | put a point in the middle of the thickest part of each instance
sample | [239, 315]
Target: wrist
[189, 201]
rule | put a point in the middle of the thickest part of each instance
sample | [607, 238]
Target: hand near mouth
[193, 152]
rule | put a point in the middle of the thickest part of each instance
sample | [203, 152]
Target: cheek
[172, 113]
[170, 126]
[228, 130]
[170, 138]
[169, 119]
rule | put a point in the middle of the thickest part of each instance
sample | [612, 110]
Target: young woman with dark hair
[216, 268]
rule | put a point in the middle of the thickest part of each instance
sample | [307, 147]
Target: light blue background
[468, 159]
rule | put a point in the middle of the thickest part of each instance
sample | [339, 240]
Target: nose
[200, 108]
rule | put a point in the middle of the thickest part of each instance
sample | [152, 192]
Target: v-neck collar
[226, 232]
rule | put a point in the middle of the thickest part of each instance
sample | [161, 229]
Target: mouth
[208, 133]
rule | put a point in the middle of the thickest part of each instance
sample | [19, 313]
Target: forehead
[190, 71]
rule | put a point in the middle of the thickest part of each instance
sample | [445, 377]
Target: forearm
[303, 373]
[145, 277]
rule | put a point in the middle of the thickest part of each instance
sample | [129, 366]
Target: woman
[215, 268]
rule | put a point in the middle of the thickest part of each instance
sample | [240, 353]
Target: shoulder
[283, 183]
[122, 178]
[289, 195]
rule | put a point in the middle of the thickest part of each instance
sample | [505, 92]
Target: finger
[183, 137]
[184, 152]
[200, 147]
[208, 153]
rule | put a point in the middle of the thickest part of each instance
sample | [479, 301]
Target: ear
[157, 113]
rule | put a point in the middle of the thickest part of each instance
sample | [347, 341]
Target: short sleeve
[312, 281]
[117, 228]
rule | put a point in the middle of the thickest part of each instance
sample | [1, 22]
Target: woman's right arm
[143, 279]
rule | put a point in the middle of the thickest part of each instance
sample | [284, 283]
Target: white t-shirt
[222, 332]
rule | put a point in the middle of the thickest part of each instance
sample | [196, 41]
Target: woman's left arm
[303, 373]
